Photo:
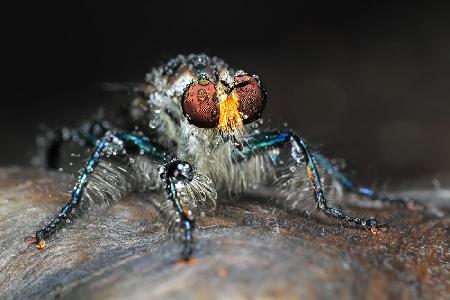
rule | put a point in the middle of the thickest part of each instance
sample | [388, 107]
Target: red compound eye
[200, 104]
[251, 97]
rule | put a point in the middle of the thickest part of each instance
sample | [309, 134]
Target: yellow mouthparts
[230, 118]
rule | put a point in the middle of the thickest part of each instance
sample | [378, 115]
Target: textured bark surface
[244, 251]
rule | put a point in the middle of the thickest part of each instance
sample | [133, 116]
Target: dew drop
[152, 124]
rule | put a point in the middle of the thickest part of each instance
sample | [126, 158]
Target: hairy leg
[349, 185]
[300, 153]
[174, 172]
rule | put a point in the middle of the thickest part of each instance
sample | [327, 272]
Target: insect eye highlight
[200, 104]
[251, 97]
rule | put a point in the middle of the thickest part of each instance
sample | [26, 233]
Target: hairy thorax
[216, 157]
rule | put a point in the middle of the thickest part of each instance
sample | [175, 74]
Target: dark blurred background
[368, 82]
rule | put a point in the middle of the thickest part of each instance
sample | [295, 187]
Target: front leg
[174, 172]
[301, 154]
[105, 144]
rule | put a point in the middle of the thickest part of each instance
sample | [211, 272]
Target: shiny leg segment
[175, 172]
[301, 154]
[349, 185]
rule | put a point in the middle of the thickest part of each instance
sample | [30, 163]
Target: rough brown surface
[244, 251]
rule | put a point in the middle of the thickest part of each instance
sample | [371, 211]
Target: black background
[368, 82]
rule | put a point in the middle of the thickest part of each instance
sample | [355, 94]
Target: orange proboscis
[230, 118]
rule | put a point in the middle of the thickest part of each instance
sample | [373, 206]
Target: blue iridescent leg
[177, 172]
[334, 172]
[174, 174]
[301, 154]
[68, 209]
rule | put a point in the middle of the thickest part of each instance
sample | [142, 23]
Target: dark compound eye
[200, 104]
[251, 97]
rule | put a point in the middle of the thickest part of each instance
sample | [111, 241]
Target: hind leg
[49, 142]
[349, 185]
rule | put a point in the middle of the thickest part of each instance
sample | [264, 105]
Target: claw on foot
[375, 226]
[186, 262]
[375, 231]
[414, 206]
[379, 229]
[32, 240]
[41, 244]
